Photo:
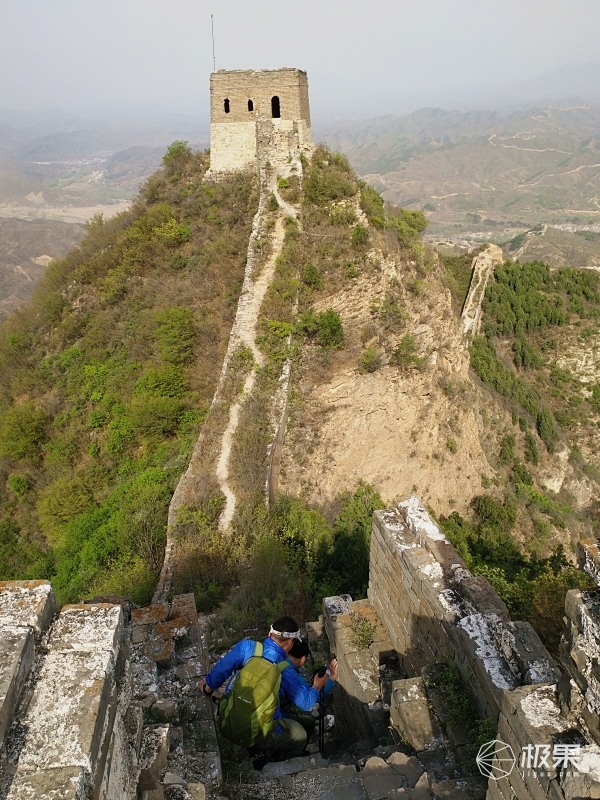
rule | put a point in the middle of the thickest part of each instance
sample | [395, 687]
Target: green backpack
[246, 714]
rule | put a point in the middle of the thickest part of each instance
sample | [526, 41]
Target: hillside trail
[245, 325]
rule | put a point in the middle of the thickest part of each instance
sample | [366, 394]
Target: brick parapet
[434, 609]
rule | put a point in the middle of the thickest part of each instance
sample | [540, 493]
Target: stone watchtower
[258, 116]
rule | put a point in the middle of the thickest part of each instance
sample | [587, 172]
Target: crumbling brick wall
[435, 610]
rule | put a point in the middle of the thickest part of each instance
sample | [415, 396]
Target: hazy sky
[82, 53]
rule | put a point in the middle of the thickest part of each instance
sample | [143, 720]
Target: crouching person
[250, 714]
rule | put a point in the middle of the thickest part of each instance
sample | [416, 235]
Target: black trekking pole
[321, 722]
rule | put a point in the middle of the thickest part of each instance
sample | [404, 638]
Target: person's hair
[285, 625]
[299, 649]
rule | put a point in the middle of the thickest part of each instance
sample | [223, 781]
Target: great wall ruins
[100, 700]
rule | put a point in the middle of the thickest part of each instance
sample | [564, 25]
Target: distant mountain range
[57, 170]
[482, 173]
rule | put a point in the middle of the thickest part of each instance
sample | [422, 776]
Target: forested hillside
[107, 375]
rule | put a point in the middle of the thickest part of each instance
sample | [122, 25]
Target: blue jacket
[327, 689]
[293, 684]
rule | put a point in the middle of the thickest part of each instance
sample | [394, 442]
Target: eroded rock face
[400, 431]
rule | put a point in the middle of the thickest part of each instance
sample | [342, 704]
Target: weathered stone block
[534, 714]
[574, 607]
[161, 651]
[153, 756]
[584, 779]
[69, 704]
[16, 658]
[61, 783]
[408, 766]
[380, 784]
[74, 700]
[534, 661]
[165, 710]
[184, 605]
[196, 791]
[411, 714]
[479, 593]
[28, 604]
[87, 628]
[175, 628]
[150, 615]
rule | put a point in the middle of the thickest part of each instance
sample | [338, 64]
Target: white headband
[285, 634]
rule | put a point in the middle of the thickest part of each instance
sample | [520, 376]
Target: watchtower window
[275, 108]
[250, 105]
[226, 106]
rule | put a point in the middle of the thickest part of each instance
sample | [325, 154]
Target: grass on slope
[107, 375]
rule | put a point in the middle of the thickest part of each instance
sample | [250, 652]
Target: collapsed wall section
[435, 610]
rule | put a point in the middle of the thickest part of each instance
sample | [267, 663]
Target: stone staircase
[392, 774]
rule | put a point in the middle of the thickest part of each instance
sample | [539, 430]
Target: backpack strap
[281, 665]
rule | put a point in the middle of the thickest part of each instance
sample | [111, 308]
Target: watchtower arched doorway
[275, 107]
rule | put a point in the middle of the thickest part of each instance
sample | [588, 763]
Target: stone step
[291, 766]
[70, 717]
[336, 782]
[397, 776]
[26, 609]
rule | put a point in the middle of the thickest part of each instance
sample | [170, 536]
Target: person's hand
[333, 669]
[204, 687]
[319, 681]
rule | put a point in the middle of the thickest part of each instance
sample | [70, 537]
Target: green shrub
[370, 360]
[23, 431]
[177, 156]
[168, 381]
[521, 474]
[405, 357]
[60, 502]
[390, 313]
[311, 276]
[360, 236]
[328, 179]
[346, 568]
[372, 204]
[154, 415]
[362, 631]
[452, 444]
[19, 484]
[343, 216]
[325, 327]
[507, 449]
[272, 204]
[176, 334]
[172, 232]
[407, 225]
[531, 451]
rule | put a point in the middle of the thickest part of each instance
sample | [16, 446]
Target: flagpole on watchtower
[212, 28]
